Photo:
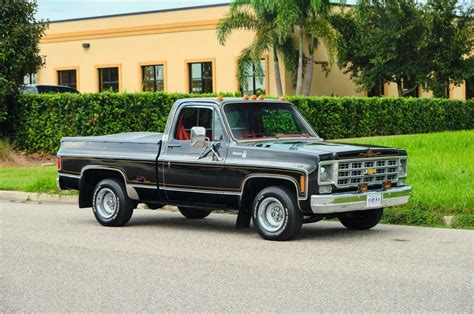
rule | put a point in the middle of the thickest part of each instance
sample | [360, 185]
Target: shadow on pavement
[314, 231]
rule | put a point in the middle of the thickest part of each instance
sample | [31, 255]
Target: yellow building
[168, 50]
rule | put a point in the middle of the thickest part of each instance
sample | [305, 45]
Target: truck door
[187, 178]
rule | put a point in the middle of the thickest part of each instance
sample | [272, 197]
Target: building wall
[172, 38]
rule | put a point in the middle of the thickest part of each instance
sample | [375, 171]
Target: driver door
[188, 178]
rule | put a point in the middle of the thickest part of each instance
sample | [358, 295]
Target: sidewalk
[17, 196]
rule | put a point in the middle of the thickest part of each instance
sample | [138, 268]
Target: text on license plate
[374, 199]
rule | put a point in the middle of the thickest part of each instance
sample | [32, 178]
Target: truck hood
[328, 150]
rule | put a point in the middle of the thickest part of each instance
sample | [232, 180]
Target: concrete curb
[30, 197]
[16, 196]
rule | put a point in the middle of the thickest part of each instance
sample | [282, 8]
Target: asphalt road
[57, 258]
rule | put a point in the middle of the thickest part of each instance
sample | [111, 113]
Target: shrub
[41, 120]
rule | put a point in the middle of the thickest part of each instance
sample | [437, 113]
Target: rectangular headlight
[326, 173]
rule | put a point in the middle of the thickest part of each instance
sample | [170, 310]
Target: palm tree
[258, 16]
[310, 20]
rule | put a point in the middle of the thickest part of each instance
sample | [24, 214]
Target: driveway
[58, 258]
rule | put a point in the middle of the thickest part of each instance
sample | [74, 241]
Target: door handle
[174, 145]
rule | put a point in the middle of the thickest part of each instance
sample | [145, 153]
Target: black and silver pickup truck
[259, 157]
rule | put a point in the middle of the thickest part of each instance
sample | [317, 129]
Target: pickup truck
[259, 157]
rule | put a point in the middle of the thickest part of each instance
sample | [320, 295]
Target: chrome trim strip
[353, 201]
[108, 157]
[200, 191]
[131, 192]
[144, 186]
[74, 176]
[276, 176]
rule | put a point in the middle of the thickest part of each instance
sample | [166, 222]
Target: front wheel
[276, 215]
[362, 220]
[110, 203]
[194, 213]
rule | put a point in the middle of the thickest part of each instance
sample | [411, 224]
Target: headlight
[325, 173]
[402, 168]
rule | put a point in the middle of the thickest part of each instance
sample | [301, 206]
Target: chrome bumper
[58, 183]
[347, 202]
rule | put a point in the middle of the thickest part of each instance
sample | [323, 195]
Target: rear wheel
[276, 215]
[362, 220]
[194, 213]
[110, 203]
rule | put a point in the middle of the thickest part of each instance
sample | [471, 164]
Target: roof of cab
[225, 100]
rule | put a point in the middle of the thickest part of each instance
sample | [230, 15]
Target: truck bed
[131, 146]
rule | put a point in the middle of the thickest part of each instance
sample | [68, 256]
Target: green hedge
[41, 120]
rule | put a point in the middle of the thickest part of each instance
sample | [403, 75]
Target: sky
[54, 10]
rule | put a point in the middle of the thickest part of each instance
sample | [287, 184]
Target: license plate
[374, 199]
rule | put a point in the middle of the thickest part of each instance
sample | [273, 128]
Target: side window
[190, 117]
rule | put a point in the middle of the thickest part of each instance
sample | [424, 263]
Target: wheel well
[254, 185]
[89, 180]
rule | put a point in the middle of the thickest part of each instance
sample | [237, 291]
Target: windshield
[249, 121]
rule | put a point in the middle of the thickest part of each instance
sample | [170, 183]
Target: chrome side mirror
[198, 136]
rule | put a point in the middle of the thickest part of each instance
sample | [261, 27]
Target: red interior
[183, 135]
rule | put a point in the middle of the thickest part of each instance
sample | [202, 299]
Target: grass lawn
[29, 179]
[440, 169]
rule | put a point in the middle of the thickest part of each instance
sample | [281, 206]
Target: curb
[25, 197]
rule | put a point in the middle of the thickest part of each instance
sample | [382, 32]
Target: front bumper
[347, 202]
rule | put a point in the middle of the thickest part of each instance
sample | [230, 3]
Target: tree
[407, 42]
[450, 44]
[383, 41]
[309, 19]
[19, 53]
[257, 16]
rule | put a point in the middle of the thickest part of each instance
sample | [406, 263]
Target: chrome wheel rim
[271, 214]
[106, 203]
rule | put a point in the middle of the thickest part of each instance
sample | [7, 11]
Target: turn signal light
[363, 187]
[282, 98]
[261, 97]
[246, 97]
[220, 98]
[302, 184]
[387, 185]
[254, 97]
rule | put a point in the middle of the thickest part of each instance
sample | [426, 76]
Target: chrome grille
[355, 172]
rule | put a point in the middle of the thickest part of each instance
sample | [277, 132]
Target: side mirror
[198, 136]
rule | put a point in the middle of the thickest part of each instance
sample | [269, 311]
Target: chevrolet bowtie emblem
[371, 171]
[370, 153]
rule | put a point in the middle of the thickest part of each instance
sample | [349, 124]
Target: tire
[276, 215]
[110, 204]
[362, 220]
[194, 213]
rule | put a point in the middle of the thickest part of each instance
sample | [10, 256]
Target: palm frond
[239, 19]
[244, 59]
[321, 29]
[288, 15]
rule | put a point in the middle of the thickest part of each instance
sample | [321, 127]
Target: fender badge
[371, 171]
